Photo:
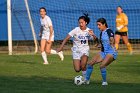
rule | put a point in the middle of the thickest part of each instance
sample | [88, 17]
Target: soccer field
[26, 74]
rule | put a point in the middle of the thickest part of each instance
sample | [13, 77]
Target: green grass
[27, 74]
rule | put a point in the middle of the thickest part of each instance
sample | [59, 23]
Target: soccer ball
[78, 80]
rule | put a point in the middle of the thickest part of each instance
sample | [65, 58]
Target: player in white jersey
[47, 36]
[80, 49]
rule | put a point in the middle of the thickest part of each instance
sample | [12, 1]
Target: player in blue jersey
[108, 52]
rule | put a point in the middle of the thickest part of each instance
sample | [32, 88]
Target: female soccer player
[108, 53]
[47, 36]
[122, 29]
[80, 49]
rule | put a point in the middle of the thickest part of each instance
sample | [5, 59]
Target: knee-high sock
[129, 47]
[116, 46]
[44, 56]
[89, 72]
[53, 51]
[84, 74]
[103, 73]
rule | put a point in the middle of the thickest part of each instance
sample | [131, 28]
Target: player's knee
[102, 66]
[48, 51]
[83, 68]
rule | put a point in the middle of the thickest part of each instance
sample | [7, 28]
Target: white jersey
[46, 23]
[80, 37]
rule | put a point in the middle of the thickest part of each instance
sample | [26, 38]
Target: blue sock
[89, 71]
[103, 72]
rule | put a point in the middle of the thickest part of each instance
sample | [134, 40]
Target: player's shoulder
[47, 17]
[76, 28]
[123, 15]
[110, 32]
[88, 29]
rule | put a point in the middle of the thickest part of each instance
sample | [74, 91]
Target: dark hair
[43, 8]
[120, 7]
[85, 18]
[103, 21]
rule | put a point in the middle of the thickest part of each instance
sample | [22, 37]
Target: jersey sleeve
[125, 19]
[110, 33]
[72, 33]
[49, 21]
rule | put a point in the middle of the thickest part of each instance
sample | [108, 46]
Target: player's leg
[77, 65]
[84, 60]
[117, 40]
[43, 53]
[108, 59]
[52, 51]
[96, 59]
[126, 41]
[48, 47]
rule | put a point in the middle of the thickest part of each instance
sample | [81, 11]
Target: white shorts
[46, 35]
[78, 52]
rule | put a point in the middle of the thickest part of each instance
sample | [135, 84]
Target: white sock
[53, 51]
[84, 74]
[44, 56]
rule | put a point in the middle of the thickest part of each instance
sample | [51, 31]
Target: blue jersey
[105, 40]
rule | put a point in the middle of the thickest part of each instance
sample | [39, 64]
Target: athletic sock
[53, 51]
[89, 72]
[116, 46]
[103, 73]
[129, 47]
[44, 56]
[84, 74]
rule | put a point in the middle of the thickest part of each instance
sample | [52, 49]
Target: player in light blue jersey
[108, 52]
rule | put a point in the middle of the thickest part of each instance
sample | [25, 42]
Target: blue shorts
[114, 54]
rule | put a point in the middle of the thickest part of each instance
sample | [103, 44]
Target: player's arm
[41, 30]
[63, 43]
[51, 32]
[49, 21]
[111, 37]
[96, 41]
[125, 20]
[112, 41]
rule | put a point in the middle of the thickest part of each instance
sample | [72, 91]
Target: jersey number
[83, 41]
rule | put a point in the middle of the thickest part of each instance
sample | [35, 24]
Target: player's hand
[91, 33]
[120, 27]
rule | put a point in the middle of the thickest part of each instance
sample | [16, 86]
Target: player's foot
[45, 63]
[104, 83]
[61, 55]
[131, 52]
[86, 82]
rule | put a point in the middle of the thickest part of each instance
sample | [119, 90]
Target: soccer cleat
[86, 82]
[61, 55]
[45, 63]
[104, 83]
